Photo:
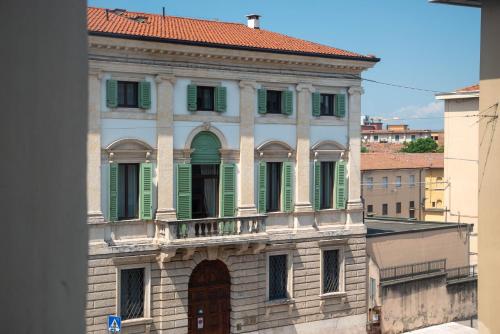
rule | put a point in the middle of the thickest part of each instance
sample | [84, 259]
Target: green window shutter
[146, 191]
[184, 191]
[228, 186]
[287, 187]
[112, 93]
[262, 101]
[340, 105]
[144, 95]
[192, 96]
[262, 186]
[113, 192]
[317, 185]
[316, 104]
[340, 184]
[220, 99]
[287, 102]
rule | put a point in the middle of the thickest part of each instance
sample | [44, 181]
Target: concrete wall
[43, 128]
[426, 302]
[489, 178]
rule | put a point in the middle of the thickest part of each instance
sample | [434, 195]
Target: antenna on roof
[107, 14]
[163, 8]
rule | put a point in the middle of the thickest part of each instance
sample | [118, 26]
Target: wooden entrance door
[209, 298]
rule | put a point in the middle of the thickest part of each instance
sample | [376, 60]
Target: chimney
[253, 21]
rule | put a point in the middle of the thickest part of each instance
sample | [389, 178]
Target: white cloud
[433, 109]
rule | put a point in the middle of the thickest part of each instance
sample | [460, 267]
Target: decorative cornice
[165, 77]
[305, 86]
[356, 90]
[249, 84]
[95, 72]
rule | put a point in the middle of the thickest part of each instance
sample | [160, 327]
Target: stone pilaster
[303, 166]
[246, 204]
[354, 198]
[94, 210]
[165, 153]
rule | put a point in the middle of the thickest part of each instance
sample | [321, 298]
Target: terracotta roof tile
[372, 161]
[212, 33]
[473, 88]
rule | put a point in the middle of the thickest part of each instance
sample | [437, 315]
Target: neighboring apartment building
[396, 134]
[399, 184]
[223, 178]
[461, 158]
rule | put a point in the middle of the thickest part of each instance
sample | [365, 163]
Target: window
[370, 208]
[273, 191]
[326, 186]
[413, 137]
[132, 293]
[385, 182]
[205, 191]
[278, 276]
[205, 98]
[398, 181]
[433, 204]
[396, 137]
[128, 94]
[372, 291]
[375, 137]
[331, 271]
[128, 191]
[369, 182]
[384, 209]
[274, 102]
[327, 104]
[398, 207]
[412, 204]
[412, 180]
[412, 209]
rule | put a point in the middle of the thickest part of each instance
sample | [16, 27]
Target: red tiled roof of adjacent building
[373, 161]
[473, 88]
[205, 32]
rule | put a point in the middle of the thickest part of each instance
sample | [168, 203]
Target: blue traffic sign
[114, 323]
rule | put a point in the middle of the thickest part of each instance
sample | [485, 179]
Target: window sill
[333, 295]
[138, 321]
[128, 221]
[277, 214]
[277, 302]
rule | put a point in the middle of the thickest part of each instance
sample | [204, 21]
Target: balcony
[212, 231]
[412, 272]
[461, 274]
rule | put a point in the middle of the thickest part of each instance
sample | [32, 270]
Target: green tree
[364, 149]
[421, 145]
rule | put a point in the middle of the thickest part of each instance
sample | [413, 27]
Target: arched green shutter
[192, 96]
[113, 192]
[316, 104]
[206, 148]
[184, 191]
[317, 185]
[287, 187]
[220, 99]
[287, 102]
[144, 95]
[111, 93]
[146, 191]
[340, 105]
[340, 184]
[228, 187]
[262, 101]
[262, 185]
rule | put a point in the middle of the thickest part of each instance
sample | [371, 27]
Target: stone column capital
[305, 86]
[165, 77]
[94, 72]
[356, 90]
[248, 83]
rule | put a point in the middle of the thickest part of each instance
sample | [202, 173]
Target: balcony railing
[461, 273]
[412, 270]
[212, 227]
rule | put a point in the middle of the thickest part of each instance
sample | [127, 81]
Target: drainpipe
[420, 206]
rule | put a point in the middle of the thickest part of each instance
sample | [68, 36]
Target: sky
[421, 45]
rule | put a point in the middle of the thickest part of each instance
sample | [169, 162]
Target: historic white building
[223, 179]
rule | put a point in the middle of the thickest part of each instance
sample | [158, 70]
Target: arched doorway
[209, 298]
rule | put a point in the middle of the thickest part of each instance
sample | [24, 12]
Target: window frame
[375, 138]
[412, 180]
[138, 177]
[331, 110]
[369, 181]
[289, 285]
[385, 182]
[368, 207]
[147, 291]
[399, 180]
[323, 191]
[385, 208]
[127, 82]
[341, 256]
[398, 207]
[279, 110]
[199, 88]
[280, 186]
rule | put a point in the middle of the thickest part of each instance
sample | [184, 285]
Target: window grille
[132, 293]
[278, 277]
[331, 271]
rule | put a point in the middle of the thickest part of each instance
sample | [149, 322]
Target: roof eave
[466, 3]
[233, 47]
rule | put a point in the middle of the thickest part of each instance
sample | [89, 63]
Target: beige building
[489, 159]
[398, 184]
[461, 154]
[394, 134]
[223, 179]
[418, 274]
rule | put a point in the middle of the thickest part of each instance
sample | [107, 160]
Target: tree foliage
[421, 145]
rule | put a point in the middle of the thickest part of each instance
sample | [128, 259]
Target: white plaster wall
[180, 100]
[327, 132]
[282, 132]
[115, 129]
[148, 78]
[182, 129]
